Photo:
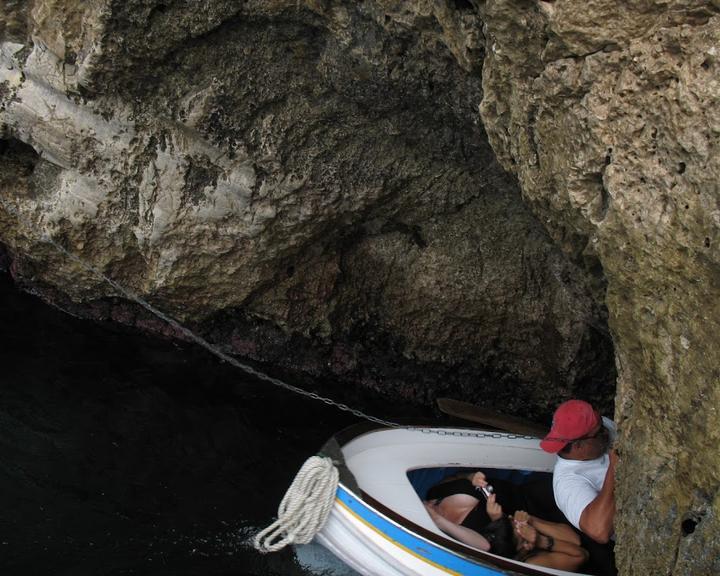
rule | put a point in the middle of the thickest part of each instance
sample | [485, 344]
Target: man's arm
[559, 531]
[597, 518]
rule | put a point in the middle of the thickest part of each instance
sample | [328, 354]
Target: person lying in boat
[522, 536]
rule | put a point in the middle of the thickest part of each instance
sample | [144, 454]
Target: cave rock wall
[291, 176]
[608, 114]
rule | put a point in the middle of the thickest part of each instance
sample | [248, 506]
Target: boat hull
[374, 545]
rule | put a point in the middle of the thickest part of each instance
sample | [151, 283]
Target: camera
[486, 490]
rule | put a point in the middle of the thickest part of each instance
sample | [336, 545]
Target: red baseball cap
[572, 420]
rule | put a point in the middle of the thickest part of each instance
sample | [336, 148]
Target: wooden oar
[473, 413]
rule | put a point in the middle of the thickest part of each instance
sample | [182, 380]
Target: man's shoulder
[566, 470]
[567, 464]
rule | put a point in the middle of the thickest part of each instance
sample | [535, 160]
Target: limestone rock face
[609, 115]
[285, 171]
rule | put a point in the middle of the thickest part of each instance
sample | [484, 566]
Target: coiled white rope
[304, 508]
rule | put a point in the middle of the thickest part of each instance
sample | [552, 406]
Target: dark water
[122, 454]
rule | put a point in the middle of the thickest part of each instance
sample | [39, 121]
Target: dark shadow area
[123, 454]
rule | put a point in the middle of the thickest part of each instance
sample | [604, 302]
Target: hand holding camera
[480, 482]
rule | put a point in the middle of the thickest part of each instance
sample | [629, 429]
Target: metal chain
[130, 295]
[476, 434]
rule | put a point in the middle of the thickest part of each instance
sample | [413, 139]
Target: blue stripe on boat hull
[415, 545]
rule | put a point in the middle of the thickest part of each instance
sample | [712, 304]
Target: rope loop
[305, 507]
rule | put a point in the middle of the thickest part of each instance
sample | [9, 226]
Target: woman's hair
[500, 535]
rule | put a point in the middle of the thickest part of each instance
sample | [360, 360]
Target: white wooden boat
[378, 524]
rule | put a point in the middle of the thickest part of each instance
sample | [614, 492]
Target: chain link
[130, 295]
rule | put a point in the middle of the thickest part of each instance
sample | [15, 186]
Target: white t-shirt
[576, 483]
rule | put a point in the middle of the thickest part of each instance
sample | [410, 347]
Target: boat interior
[532, 488]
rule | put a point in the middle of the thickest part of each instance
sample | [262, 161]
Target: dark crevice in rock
[464, 5]
[532, 119]
[412, 231]
[14, 20]
[688, 526]
[200, 173]
[18, 162]
[18, 156]
[604, 199]
[595, 374]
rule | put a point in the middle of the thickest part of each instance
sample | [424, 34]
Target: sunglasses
[601, 432]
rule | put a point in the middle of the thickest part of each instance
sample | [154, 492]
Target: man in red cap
[584, 474]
